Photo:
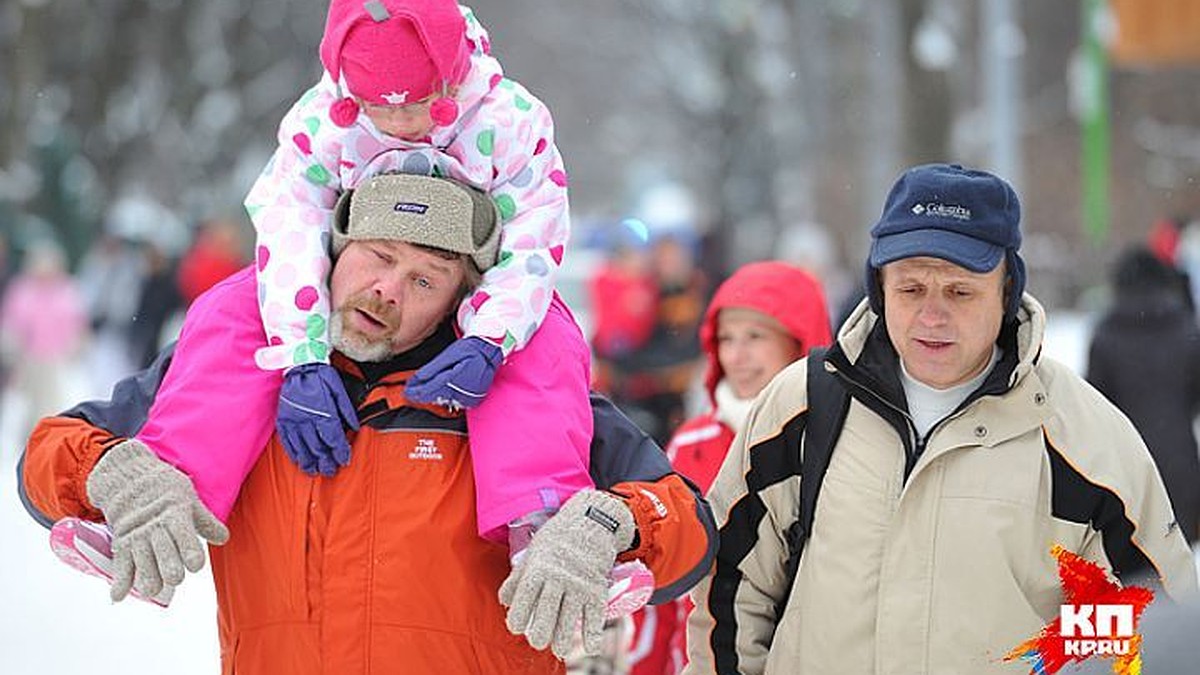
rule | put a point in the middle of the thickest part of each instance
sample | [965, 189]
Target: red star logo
[1084, 583]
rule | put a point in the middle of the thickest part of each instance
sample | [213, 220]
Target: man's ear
[873, 285]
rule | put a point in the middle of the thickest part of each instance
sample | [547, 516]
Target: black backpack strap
[828, 402]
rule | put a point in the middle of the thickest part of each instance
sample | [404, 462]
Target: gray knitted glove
[155, 516]
[561, 583]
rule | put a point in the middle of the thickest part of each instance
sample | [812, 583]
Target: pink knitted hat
[395, 52]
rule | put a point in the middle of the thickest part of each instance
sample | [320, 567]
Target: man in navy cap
[922, 534]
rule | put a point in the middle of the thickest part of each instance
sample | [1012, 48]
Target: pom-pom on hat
[429, 211]
[395, 52]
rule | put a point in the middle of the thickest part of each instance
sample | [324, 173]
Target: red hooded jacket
[793, 297]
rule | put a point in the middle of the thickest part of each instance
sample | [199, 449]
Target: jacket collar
[865, 361]
[377, 389]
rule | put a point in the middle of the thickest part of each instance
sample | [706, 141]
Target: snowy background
[782, 121]
[57, 621]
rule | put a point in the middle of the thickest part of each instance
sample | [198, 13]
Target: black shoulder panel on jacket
[407, 418]
[1076, 499]
[124, 413]
[621, 451]
[772, 461]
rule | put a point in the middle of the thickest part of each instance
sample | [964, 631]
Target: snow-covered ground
[56, 621]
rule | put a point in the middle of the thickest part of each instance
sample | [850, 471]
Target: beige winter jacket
[948, 569]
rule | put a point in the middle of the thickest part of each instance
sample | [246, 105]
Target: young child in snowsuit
[409, 86]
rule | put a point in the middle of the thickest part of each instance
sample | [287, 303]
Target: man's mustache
[378, 309]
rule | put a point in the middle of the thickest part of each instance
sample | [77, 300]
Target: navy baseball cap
[965, 216]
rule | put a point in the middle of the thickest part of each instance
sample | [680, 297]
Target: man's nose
[388, 290]
[933, 309]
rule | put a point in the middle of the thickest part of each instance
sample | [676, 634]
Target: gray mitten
[561, 583]
[155, 516]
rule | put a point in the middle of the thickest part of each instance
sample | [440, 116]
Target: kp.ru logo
[1099, 619]
[1096, 629]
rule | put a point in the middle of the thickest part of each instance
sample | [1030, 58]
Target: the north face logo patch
[426, 449]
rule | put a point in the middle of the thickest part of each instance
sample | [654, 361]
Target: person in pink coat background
[43, 323]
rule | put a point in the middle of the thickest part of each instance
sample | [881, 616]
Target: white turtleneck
[928, 405]
[731, 410]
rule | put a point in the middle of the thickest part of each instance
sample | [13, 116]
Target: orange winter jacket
[377, 570]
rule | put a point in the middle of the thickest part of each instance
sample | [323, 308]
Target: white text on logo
[1095, 629]
[659, 507]
[943, 210]
[426, 449]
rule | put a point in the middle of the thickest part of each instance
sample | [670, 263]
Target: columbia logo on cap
[942, 210]
[410, 207]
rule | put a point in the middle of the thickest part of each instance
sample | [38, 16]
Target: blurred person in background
[158, 303]
[6, 273]
[1186, 250]
[43, 324]
[1163, 241]
[218, 251]
[112, 275]
[1164, 237]
[173, 282]
[1145, 357]
[623, 296]
[650, 382]
[761, 319]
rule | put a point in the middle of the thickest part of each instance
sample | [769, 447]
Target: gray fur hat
[437, 212]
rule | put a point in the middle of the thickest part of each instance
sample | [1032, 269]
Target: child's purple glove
[313, 407]
[459, 377]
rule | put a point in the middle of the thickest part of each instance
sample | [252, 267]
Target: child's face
[751, 348]
[409, 122]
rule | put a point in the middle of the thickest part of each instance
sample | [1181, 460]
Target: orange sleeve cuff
[672, 539]
[61, 453]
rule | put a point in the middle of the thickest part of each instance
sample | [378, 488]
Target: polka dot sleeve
[291, 206]
[530, 190]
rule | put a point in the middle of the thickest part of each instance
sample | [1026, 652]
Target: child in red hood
[764, 317]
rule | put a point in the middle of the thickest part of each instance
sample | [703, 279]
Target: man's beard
[353, 343]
